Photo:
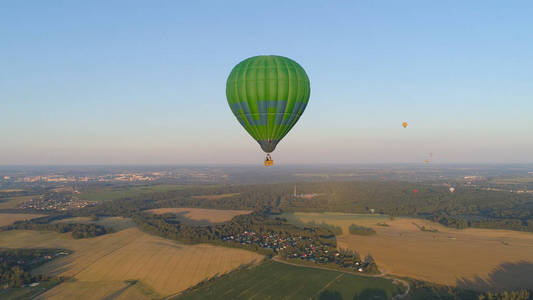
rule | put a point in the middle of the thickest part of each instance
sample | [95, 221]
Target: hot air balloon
[415, 191]
[426, 161]
[404, 124]
[268, 94]
[452, 189]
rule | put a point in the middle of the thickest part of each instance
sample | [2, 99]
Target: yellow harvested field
[215, 197]
[100, 266]
[74, 289]
[475, 258]
[6, 219]
[202, 214]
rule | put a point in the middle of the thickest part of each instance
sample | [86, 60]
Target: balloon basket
[268, 161]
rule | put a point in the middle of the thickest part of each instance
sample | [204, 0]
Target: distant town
[56, 176]
[119, 177]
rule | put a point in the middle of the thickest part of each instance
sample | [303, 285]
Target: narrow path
[326, 286]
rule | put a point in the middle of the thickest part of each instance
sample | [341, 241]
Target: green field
[341, 220]
[122, 192]
[13, 202]
[513, 180]
[273, 280]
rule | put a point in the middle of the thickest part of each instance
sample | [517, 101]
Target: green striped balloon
[268, 94]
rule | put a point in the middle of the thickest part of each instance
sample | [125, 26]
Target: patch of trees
[15, 265]
[427, 290]
[361, 230]
[466, 207]
[370, 265]
[78, 230]
[424, 228]
[461, 222]
[348, 258]
[513, 295]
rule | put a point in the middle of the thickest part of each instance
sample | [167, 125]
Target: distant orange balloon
[426, 161]
[404, 124]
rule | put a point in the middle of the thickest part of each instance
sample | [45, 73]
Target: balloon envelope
[404, 124]
[268, 94]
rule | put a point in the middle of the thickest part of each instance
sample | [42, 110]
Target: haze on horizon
[138, 83]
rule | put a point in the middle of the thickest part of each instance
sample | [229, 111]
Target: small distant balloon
[426, 161]
[452, 189]
[415, 191]
[404, 124]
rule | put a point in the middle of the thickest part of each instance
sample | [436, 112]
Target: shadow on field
[129, 284]
[507, 276]
[371, 294]
[367, 294]
[182, 216]
[330, 295]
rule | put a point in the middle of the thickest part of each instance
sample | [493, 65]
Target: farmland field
[105, 194]
[274, 280]
[215, 197]
[202, 214]
[13, 201]
[516, 180]
[6, 219]
[471, 257]
[100, 267]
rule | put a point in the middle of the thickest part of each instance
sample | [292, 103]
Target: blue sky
[132, 82]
